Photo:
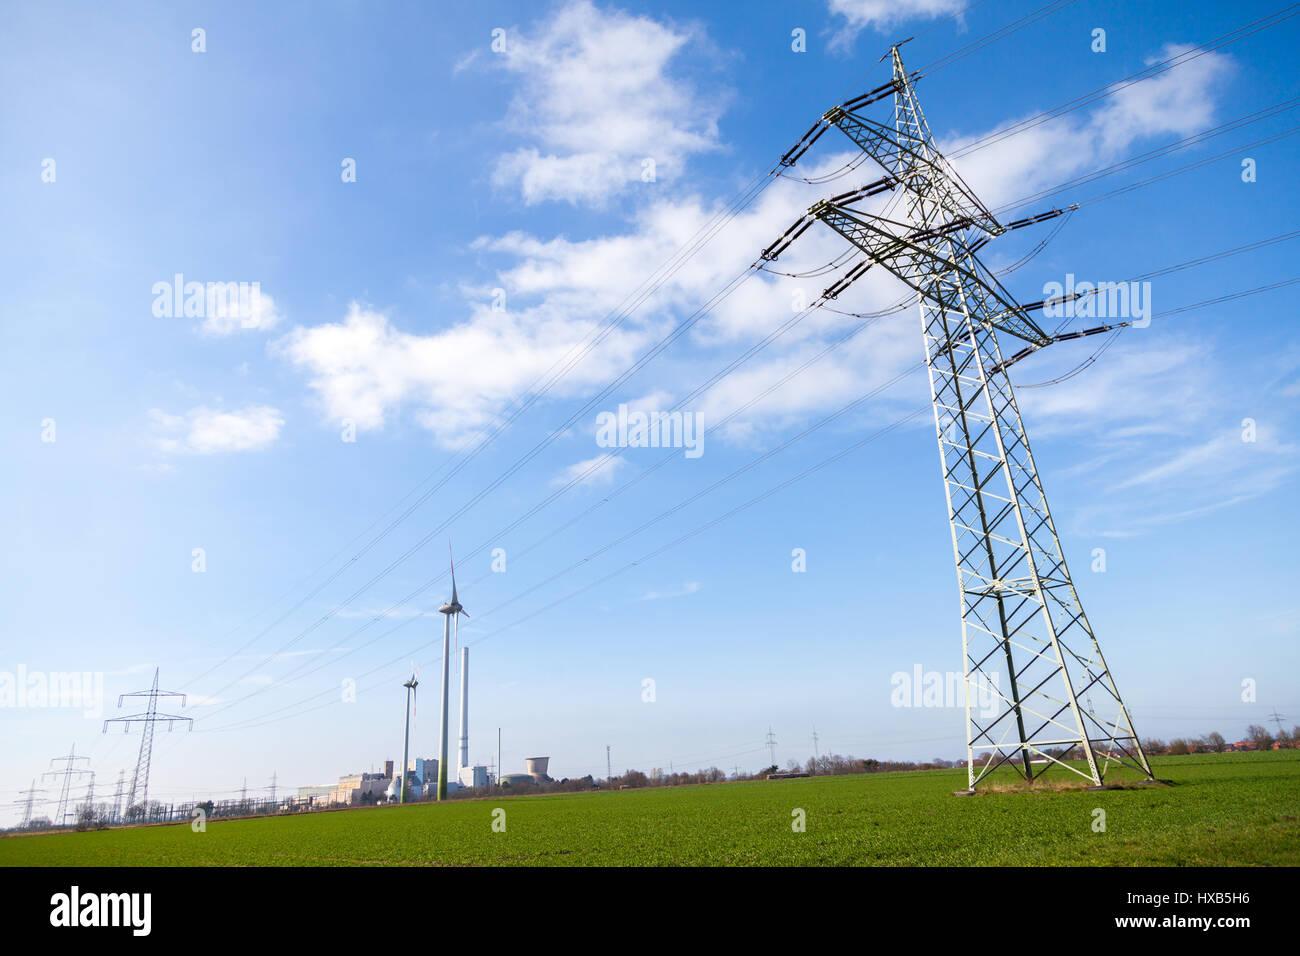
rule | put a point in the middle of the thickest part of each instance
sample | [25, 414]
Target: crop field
[1225, 809]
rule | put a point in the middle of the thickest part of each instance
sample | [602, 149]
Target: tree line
[1257, 738]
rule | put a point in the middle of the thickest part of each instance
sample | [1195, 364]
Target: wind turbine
[451, 609]
[410, 686]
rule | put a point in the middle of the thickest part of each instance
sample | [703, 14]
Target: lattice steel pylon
[1028, 648]
[70, 770]
[140, 782]
[28, 803]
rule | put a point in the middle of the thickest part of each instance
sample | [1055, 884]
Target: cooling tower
[536, 767]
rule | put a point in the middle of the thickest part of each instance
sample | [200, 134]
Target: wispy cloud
[206, 431]
[592, 471]
[858, 15]
[687, 588]
[258, 314]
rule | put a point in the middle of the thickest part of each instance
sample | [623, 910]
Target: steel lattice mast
[70, 770]
[28, 803]
[1025, 638]
[140, 782]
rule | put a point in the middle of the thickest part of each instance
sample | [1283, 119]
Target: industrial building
[535, 772]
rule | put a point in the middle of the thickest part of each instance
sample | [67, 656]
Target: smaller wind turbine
[449, 610]
[410, 686]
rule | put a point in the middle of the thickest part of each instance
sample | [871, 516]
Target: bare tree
[1260, 737]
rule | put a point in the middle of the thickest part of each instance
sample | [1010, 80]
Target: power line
[637, 297]
[490, 489]
[268, 717]
[1147, 73]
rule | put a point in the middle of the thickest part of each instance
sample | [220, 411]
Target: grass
[1225, 809]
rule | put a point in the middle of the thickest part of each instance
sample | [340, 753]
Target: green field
[1226, 809]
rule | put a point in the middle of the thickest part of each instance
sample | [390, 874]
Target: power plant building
[535, 772]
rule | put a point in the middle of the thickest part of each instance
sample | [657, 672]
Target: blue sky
[522, 171]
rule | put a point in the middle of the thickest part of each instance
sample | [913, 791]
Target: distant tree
[89, 819]
[1260, 737]
[1153, 745]
[1214, 741]
[1178, 746]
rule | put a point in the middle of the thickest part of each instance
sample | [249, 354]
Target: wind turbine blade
[454, 599]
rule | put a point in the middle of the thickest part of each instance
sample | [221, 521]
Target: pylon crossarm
[795, 152]
[150, 693]
[884, 247]
[878, 141]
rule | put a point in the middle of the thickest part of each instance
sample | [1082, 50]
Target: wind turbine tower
[410, 686]
[464, 709]
[451, 609]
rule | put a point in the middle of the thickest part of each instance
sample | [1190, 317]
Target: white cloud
[227, 316]
[884, 14]
[1179, 102]
[1226, 459]
[688, 588]
[205, 431]
[597, 100]
[459, 380]
[602, 472]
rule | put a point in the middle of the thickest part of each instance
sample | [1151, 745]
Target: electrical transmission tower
[70, 770]
[90, 794]
[27, 804]
[140, 783]
[609, 765]
[771, 743]
[1025, 639]
[118, 794]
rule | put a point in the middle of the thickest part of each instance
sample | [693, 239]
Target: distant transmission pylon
[140, 782]
[771, 743]
[27, 804]
[70, 770]
[118, 794]
[89, 803]
[1025, 639]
